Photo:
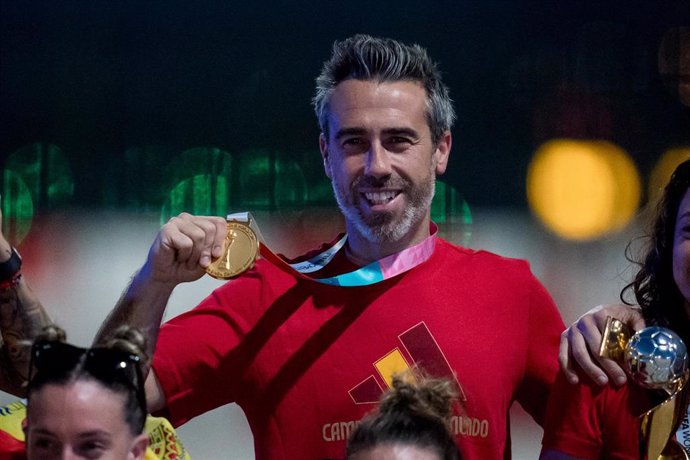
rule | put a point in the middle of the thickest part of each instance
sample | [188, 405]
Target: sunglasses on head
[51, 360]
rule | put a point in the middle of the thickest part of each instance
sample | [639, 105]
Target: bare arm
[142, 305]
[183, 248]
[155, 398]
[22, 317]
[580, 344]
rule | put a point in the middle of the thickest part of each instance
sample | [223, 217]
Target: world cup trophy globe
[656, 358]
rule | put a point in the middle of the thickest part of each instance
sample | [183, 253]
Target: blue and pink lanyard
[375, 272]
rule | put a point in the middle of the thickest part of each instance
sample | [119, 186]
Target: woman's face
[80, 420]
[681, 249]
[396, 452]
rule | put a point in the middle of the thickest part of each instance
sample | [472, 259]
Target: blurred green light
[17, 208]
[199, 182]
[291, 187]
[448, 206]
[135, 181]
[202, 195]
[270, 181]
[46, 173]
[452, 214]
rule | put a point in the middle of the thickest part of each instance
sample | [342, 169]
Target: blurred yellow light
[663, 169]
[582, 190]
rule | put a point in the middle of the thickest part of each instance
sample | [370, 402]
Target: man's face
[380, 157]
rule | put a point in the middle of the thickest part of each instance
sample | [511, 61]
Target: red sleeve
[590, 421]
[197, 360]
[573, 422]
[545, 327]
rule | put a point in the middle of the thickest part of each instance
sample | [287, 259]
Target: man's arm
[155, 398]
[22, 317]
[580, 344]
[183, 248]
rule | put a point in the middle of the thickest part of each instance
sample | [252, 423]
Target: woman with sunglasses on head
[412, 422]
[86, 403]
[587, 421]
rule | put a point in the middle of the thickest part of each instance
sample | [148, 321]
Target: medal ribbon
[372, 273]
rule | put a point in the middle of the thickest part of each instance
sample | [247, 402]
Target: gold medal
[239, 252]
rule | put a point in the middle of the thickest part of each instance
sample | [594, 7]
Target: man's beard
[385, 227]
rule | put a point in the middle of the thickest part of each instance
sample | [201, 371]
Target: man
[307, 357]
[22, 317]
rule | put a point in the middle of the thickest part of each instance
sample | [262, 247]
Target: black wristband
[10, 267]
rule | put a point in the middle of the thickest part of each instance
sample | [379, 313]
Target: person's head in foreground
[662, 285]
[412, 422]
[86, 403]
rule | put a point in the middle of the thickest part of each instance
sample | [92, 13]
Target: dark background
[99, 79]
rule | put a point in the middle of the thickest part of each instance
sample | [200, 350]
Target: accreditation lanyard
[375, 272]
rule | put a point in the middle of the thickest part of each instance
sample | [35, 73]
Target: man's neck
[361, 251]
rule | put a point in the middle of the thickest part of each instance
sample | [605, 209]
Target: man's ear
[442, 152]
[323, 147]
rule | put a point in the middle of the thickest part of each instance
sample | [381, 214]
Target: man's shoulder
[479, 256]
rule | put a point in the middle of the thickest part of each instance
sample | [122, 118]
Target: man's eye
[400, 140]
[352, 141]
[398, 144]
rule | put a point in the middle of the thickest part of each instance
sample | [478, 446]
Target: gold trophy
[655, 358]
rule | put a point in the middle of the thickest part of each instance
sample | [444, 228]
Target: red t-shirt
[305, 360]
[595, 422]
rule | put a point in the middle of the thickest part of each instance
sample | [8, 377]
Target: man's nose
[378, 161]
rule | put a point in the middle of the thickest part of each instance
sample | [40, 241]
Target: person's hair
[117, 366]
[653, 286]
[416, 411]
[363, 57]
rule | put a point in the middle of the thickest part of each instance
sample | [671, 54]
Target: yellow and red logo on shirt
[423, 351]
[418, 347]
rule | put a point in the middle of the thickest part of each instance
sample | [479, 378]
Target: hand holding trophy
[655, 358]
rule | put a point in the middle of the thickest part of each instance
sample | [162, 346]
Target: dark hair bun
[418, 394]
[52, 333]
[131, 340]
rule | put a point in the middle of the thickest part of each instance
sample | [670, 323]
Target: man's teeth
[380, 197]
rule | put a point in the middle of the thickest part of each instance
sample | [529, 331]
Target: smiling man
[306, 355]
[383, 163]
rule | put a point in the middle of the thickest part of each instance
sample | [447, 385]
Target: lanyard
[375, 272]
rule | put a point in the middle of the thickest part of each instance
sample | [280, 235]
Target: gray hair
[363, 57]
